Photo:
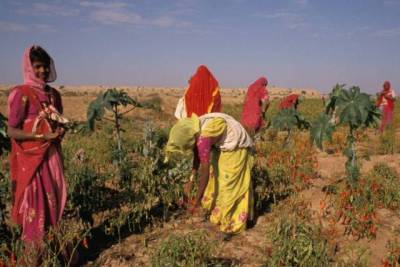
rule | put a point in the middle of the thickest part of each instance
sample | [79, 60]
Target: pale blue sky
[295, 43]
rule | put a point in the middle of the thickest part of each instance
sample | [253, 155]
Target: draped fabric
[39, 190]
[252, 113]
[385, 102]
[289, 101]
[203, 94]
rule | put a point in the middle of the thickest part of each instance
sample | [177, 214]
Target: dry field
[253, 247]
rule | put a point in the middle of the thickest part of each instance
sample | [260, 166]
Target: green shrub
[296, 240]
[387, 141]
[189, 250]
[389, 189]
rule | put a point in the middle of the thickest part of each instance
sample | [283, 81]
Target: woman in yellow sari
[218, 140]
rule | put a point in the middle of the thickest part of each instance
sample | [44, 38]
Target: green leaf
[285, 120]
[108, 100]
[288, 119]
[355, 108]
[331, 103]
[321, 129]
[95, 112]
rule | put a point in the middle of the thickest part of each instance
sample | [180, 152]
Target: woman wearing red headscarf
[34, 126]
[291, 101]
[255, 105]
[385, 102]
[201, 97]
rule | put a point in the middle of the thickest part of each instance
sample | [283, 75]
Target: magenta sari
[39, 191]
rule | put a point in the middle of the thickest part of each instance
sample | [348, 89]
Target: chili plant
[296, 240]
[192, 249]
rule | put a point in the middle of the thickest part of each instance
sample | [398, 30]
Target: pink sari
[252, 113]
[39, 190]
[385, 102]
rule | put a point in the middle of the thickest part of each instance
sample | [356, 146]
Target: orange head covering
[203, 95]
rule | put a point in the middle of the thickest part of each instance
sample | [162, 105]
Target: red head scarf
[251, 114]
[203, 95]
[289, 101]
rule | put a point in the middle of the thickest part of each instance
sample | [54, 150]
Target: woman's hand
[61, 131]
[203, 180]
[51, 136]
[194, 207]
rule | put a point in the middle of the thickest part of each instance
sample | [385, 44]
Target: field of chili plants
[124, 204]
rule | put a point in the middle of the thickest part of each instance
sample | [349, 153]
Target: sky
[294, 43]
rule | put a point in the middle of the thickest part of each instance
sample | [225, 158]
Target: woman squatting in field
[255, 105]
[34, 126]
[385, 102]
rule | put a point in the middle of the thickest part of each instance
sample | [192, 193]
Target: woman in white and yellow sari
[218, 140]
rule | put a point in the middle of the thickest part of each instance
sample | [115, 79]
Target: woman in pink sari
[34, 126]
[255, 105]
[385, 102]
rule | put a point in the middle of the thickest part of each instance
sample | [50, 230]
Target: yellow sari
[228, 194]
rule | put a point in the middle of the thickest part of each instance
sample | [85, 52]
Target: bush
[389, 186]
[192, 249]
[393, 256]
[280, 172]
[296, 240]
[387, 141]
[356, 207]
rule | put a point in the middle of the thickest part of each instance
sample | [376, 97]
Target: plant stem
[287, 139]
[118, 130]
[353, 159]
[351, 164]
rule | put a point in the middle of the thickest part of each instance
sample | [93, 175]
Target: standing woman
[385, 102]
[255, 105]
[202, 95]
[218, 140]
[34, 126]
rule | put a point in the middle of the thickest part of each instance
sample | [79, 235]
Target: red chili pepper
[85, 243]
[13, 259]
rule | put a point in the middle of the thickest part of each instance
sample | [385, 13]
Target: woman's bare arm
[264, 107]
[20, 135]
[204, 171]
